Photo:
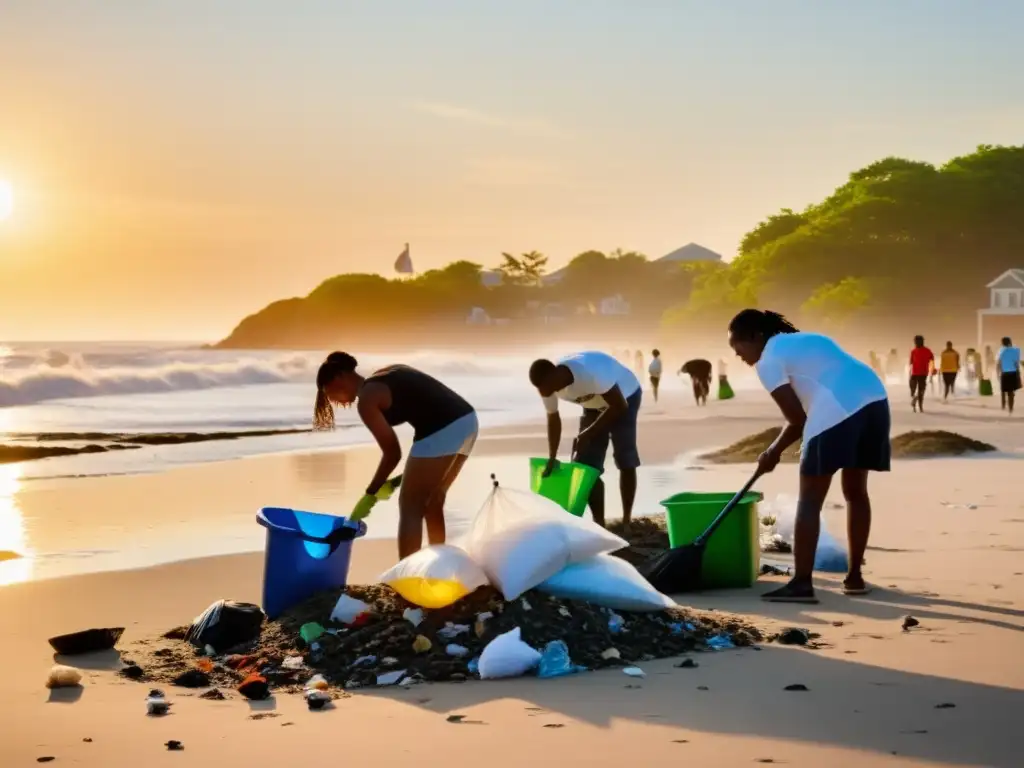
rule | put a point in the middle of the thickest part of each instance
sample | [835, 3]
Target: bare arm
[554, 434]
[617, 406]
[374, 399]
[791, 407]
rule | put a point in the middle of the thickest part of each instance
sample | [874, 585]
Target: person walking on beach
[700, 374]
[1008, 363]
[654, 371]
[839, 406]
[922, 362]
[949, 364]
[446, 429]
[610, 395]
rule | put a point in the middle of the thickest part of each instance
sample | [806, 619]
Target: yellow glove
[387, 490]
[362, 508]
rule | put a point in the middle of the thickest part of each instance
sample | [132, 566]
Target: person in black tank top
[444, 432]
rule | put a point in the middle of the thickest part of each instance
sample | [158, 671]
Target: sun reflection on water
[15, 556]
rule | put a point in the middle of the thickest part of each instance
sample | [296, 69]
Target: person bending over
[700, 374]
[839, 406]
[610, 395]
[445, 427]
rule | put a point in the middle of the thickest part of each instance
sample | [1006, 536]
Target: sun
[6, 200]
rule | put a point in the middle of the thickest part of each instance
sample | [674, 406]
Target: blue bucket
[305, 553]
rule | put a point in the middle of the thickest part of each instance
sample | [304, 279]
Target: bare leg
[858, 522]
[627, 486]
[813, 490]
[596, 502]
[434, 516]
[422, 478]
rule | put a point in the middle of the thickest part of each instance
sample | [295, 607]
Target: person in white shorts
[610, 395]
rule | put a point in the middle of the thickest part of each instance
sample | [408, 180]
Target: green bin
[733, 555]
[985, 387]
[568, 486]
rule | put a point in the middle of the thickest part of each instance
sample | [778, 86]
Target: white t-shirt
[1009, 359]
[654, 369]
[831, 384]
[593, 373]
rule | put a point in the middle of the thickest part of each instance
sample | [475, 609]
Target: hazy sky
[178, 164]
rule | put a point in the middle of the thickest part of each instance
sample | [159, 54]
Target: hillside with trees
[901, 244]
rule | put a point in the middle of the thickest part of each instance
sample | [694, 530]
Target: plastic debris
[311, 631]
[194, 678]
[526, 604]
[555, 661]
[156, 704]
[720, 642]
[225, 624]
[62, 676]
[474, 666]
[794, 636]
[563, 611]
[456, 650]
[388, 661]
[391, 678]
[450, 631]
[413, 615]
[317, 683]
[255, 687]
[616, 623]
[480, 625]
[507, 656]
[174, 745]
[317, 699]
[347, 609]
[611, 653]
[634, 672]
[421, 644]
[364, 661]
[204, 665]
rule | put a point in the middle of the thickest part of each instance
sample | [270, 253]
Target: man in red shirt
[922, 361]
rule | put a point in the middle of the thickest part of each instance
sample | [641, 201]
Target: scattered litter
[555, 661]
[526, 604]
[611, 653]
[156, 704]
[908, 622]
[796, 687]
[62, 676]
[388, 661]
[214, 694]
[255, 687]
[225, 624]
[554, 725]
[194, 678]
[720, 643]
[793, 636]
[474, 666]
[507, 656]
[767, 569]
[347, 609]
[946, 705]
[293, 662]
[317, 700]
[456, 650]
[364, 661]
[174, 745]
[634, 672]
[616, 623]
[317, 683]
[390, 678]
[687, 664]
[311, 631]
[421, 644]
[563, 611]
[413, 615]
[86, 641]
[450, 631]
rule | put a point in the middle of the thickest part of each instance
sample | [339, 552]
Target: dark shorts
[918, 384]
[655, 380]
[949, 379]
[1009, 381]
[622, 436]
[861, 441]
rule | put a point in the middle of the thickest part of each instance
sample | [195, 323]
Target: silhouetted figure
[700, 374]
[922, 362]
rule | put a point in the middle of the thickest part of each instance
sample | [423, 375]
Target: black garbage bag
[225, 624]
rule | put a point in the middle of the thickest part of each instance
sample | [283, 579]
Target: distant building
[478, 316]
[613, 305]
[1006, 298]
[490, 278]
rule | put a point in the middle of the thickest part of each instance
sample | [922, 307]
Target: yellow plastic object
[429, 593]
[362, 508]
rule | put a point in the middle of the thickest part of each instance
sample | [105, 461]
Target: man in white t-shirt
[610, 395]
[1008, 363]
[839, 407]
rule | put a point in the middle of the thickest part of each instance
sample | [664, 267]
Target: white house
[613, 305]
[1006, 298]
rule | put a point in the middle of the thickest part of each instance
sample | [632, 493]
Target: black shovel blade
[677, 570]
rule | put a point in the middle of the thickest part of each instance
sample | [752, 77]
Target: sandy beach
[946, 548]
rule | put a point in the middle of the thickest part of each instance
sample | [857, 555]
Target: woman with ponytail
[445, 428]
[839, 407]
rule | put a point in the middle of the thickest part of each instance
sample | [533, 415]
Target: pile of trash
[378, 638]
[936, 443]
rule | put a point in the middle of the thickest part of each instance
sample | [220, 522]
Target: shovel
[679, 569]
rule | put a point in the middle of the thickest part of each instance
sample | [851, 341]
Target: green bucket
[724, 389]
[568, 485]
[985, 387]
[733, 555]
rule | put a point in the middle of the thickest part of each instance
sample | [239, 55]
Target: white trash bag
[608, 581]
[830, 556]
[436, 576]
[507, 656]
[520, 539]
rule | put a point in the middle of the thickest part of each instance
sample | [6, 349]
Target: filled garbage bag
[521, 539]
[507, 656]
[226, 624]
[608, 581]
[435, 576]
[830, 556]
